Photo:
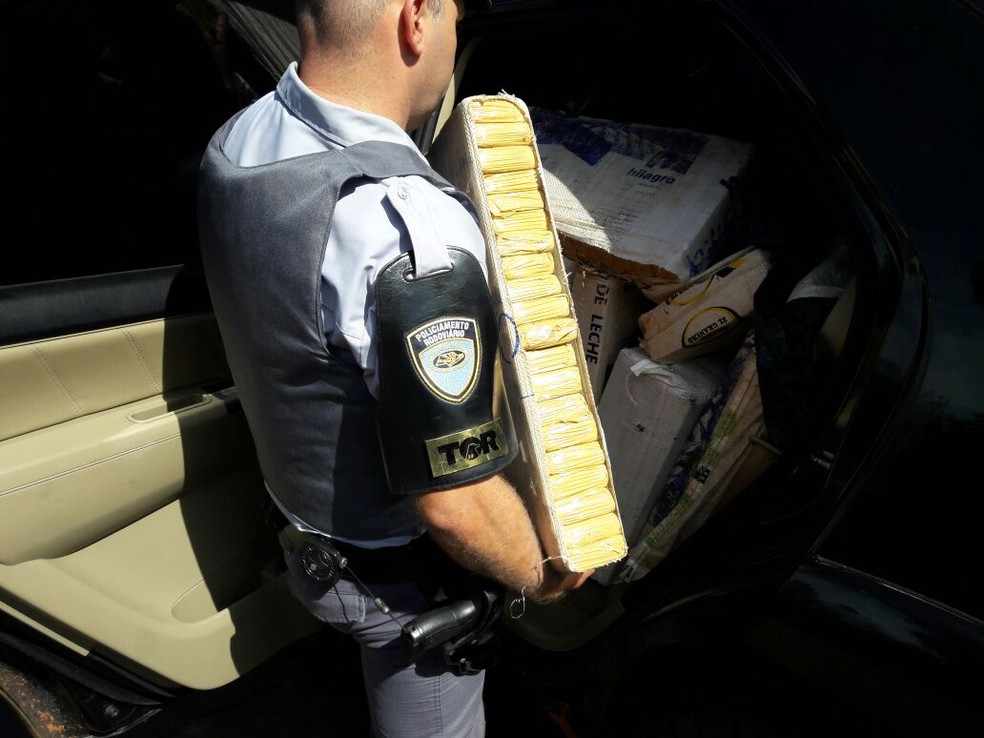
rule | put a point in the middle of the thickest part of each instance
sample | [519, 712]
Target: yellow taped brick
[551, 359]
[495, 110]
[525, 242]
[508, 133]
[596, 530]
[552, 307]
[584, 506]
[520, 220]
[595, 551]
[575, 457]
[574, 481]
[506, 159]
[531, 288]
[547, 333]
[556, 383]
[568, 431]
[568, 408]
[527, 265]
[509, 204]
[503, 182]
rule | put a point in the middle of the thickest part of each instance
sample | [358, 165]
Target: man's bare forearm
[485, 528]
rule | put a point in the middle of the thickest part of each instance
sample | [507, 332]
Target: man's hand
[558, 583]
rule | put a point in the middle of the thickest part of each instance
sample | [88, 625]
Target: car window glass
[109, 105]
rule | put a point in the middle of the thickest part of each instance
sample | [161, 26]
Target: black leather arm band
[443, 418]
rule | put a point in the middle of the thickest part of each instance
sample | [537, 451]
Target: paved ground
[291, 696]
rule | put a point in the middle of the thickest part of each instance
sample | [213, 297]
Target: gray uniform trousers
[421, 699]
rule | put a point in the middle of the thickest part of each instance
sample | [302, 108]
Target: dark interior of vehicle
[109, 125]
[134, 559]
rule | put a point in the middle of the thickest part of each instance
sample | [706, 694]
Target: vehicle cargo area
[708, 248]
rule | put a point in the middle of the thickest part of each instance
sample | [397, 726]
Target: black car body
[836, 595]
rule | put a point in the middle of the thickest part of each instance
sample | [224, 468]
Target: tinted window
[109, 105]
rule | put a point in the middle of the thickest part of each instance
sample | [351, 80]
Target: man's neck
[367, 86]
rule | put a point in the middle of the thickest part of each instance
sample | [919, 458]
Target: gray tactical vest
[263, 232]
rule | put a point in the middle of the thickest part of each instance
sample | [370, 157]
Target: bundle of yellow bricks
[487, 149]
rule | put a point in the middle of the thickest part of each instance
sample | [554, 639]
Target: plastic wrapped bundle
[533, 287]
[525, 242]
[527, 266]
[573, 457]
[557, 383]
[488, 150]
[552, 307]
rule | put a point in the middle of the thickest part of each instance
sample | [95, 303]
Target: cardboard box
[711, 314]
[608, 310]
[647, 412]
[726, 452]
[568, 544]
[639, 200]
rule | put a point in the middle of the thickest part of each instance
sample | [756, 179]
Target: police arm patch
[446, 354]
[443, 418]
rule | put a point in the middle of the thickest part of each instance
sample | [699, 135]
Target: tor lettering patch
[446, 355]
[467, 449]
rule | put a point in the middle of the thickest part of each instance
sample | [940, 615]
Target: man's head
[393, 57]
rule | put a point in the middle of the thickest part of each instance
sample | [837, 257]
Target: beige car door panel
[130, 518]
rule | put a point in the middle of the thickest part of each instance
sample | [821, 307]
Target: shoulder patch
[447, 354]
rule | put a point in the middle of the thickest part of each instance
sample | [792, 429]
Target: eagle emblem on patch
[446, 354]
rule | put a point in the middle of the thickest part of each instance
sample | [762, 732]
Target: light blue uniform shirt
[373, 223]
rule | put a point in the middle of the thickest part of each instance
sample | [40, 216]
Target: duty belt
[405, 563]
[388, 564]
[465, 623]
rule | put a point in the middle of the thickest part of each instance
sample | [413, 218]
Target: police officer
[349, 285]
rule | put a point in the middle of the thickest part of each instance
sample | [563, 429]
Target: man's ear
[412, 19]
